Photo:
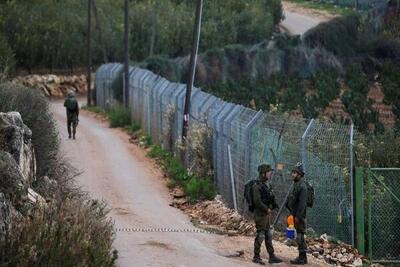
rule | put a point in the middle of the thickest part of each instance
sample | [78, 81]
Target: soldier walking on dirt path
[72, 107]
[297, 205]
[264, 202]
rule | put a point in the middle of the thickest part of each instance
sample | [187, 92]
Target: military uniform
[264, 202]
[297, 205]
[72, 107]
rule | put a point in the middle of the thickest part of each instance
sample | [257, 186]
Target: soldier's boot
[258, 260]
[301, 259]
[257, 248]
[274, 259]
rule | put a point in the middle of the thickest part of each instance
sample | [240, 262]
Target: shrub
[7, 61]
[119, 116]
[35, 112]
[200, 188]
[70, 229]
[196, 188]
[72, 232]
[339, 35]
[95, 109]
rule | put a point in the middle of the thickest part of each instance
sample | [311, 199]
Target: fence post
[232, 178]
[359, 212]
[369, 215]
[303, 145]
[352, 182]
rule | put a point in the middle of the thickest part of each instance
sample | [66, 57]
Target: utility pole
[193, 61]
[89, 53]
[126, 54]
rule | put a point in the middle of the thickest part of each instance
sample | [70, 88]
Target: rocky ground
[54, 86]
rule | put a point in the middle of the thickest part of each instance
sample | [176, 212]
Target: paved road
[297, 23]
[138, 198]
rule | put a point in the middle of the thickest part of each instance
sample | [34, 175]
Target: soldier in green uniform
[297, 205]
[72, 107]
[264, 202]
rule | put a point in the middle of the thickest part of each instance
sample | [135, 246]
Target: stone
[316, 254]
[178, 193]
[16, 139]
[343, 250]
[358, 262]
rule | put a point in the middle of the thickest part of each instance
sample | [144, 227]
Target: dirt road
[298, 19]
[149, 231]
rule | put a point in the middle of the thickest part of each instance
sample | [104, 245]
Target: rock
[15, 138]
[339, 256]
[358, 262]
[178, 193]
[316, 254]
[324, 237]
[343, 250]
[35, 198]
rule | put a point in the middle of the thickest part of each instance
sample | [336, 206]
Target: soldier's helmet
[71, 93]
[264, 168]
[299, 168]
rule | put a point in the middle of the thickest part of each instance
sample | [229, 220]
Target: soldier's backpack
[248, 194]
[310, 195]
[71, 104]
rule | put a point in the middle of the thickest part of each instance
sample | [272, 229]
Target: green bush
[94, 109]
[339, 35]
[72, 232]
[119, 116]
[7, 61]
[200, 188]
[196, 188]
[50, 33]
[70, 229]
[35, 112]
[132, 128]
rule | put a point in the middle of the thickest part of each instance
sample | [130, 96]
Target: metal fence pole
[303, 145]
[352, 182]
[232, 178]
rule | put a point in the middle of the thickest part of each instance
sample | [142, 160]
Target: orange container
[290, 221]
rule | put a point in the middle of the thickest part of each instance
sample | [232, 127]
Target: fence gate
[383, 191]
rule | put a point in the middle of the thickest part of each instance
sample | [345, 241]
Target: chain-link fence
[252, 137]
[383, 194]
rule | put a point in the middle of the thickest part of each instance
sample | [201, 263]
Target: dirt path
[118, 172]
[298, 19]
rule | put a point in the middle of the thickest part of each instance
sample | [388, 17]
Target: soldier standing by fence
[297, 205]
[264, 202]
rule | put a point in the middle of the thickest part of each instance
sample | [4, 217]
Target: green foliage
[7, 61]
[380, 150]
[72, 232]
[132, 128]
[339, 35]
[200, 188]
[147, 141]
[391, 83]
[52, 34]
[196, 188]
[70, 229]
[357, 102]
[119, 116]
[94, 109]
[35, 112]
